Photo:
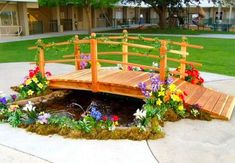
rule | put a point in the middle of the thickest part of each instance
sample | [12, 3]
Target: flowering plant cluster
[16, 115]
[86, 63]
[91, 120]
[135, 68]
[161, 97]
[34, 84]
[193, 75]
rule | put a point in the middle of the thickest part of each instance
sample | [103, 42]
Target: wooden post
[77, 52]
[41, 62]
[163, 60]
[94, 70]
[125, 50]
[183, 58]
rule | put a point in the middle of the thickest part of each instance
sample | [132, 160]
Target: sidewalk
[185, 140]
[57, 34]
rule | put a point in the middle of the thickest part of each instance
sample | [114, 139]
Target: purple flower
[43, 118]
[143, 88]
[3, 100]
[155, 83]
[84, 64]
[95, 113]
[169, 80]
[13, 97]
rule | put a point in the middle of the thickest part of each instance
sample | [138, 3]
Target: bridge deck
[125, 83]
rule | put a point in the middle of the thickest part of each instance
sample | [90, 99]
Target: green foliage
[94, 3]
[15, 118]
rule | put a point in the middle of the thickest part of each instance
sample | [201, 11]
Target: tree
[86, 4]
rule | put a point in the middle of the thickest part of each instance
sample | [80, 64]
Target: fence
[10, 30]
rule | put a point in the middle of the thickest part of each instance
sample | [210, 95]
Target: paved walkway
[185, 141]
[57, 34]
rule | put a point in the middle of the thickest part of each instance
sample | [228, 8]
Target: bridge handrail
[93, 41]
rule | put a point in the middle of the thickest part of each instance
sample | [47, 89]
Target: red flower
[36, 70]
[195, 73]
[31, 73]
[130, 68]
[115, 118]
[194, 81]
[105, 118]
[182, 97]
[201, 80]
[48, 73]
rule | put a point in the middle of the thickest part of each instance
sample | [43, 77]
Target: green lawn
[151, 30]
[217, 55]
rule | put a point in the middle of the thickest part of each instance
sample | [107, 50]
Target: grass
[152, 30]
[216, 57]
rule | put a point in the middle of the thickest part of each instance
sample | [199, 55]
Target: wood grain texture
[126, 83]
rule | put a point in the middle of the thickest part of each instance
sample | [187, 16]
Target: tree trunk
[88, 13]
[162, 12]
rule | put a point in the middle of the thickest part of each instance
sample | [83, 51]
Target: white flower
[2, 94]
[139, 114]
[155, 64]
[29, 107]
[119, 66]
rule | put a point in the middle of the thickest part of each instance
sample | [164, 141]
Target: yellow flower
[162, 88]
[150, 94]
[30, 92]
[115, 123]
[28, 81]
[35, 79]
[159, 102]
[21, 86]
[172, 87]
[181, 107]
[179, 91]
[161, 93]
[13, 107]
[175, 98]
[40, 85]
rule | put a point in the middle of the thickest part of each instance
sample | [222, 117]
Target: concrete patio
[185, 140]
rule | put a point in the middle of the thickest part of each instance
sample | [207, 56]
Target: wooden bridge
[124, 82]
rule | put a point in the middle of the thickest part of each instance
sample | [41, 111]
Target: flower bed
[163, 102]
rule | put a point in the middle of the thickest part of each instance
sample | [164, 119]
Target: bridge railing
[94, 41]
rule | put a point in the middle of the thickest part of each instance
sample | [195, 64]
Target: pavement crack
[25, 153]
[152, 152]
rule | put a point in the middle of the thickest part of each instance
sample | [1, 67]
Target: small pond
[77, 102]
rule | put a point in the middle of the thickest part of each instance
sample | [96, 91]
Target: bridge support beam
[94, 68]
[163, 60]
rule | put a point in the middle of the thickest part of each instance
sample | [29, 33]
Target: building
[26, 17]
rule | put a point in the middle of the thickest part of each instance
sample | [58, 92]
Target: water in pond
[77, 102]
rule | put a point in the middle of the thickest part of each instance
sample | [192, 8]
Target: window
[8, 18]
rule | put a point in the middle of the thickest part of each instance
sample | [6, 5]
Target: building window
[8, 18]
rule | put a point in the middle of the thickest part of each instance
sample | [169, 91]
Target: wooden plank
[120, 90]
[119, 78]
[80, 74]
[228, 108]
[194, 98]
[218, 108]
[212, 101]
[188, 88]
[60, 76]
[137, 79]
[202, 100]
